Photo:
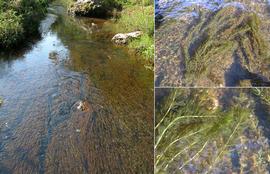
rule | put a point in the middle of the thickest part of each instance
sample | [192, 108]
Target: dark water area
[75, 103]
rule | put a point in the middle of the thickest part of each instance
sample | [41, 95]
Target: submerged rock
[82, 105]
[124, 38]
[53, 55]
[93, 8]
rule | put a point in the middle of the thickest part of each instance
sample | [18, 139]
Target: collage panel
[204, 130]
[212, 43]
[76, 86]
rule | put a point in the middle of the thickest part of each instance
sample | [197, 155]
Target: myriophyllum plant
[193, 132]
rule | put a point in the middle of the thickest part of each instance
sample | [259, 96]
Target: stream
[42, 126]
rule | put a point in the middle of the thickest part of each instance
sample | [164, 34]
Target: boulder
[124, 38]
[93, 8]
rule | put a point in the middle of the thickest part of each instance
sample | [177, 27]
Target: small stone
[95, 26]
[123, 38]
[53, 55]
[80, 106]
[83, 105]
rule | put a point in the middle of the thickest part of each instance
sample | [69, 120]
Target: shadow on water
[263, 114]
[41, 128]
[236, 73]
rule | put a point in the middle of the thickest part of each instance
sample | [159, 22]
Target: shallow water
[41, 128]
[238, 143]
[171, 9]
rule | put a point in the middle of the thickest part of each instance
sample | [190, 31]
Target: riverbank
[133, 16]
[20, 19]
[139, 16]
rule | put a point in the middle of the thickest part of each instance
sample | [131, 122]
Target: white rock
[80, 105]
[123, 38]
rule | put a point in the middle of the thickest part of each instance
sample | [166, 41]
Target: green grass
[145, 46]
[138, 15]
[19, 19]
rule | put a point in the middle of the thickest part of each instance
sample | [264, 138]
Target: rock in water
[93, 8]
[82, 105]
[123, 38]
[53, 55]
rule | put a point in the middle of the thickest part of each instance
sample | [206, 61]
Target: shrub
[19, 18]
[11, 29]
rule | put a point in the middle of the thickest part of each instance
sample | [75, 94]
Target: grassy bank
[135, 15]
[138, 15]
[19, 19]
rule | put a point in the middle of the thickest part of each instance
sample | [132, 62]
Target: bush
[11, 29]
[18, 19]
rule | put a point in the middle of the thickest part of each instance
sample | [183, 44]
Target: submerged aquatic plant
[227, 46]
[218, 40]
[194, 133]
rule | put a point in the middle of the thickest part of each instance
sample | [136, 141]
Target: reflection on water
[41, 128]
